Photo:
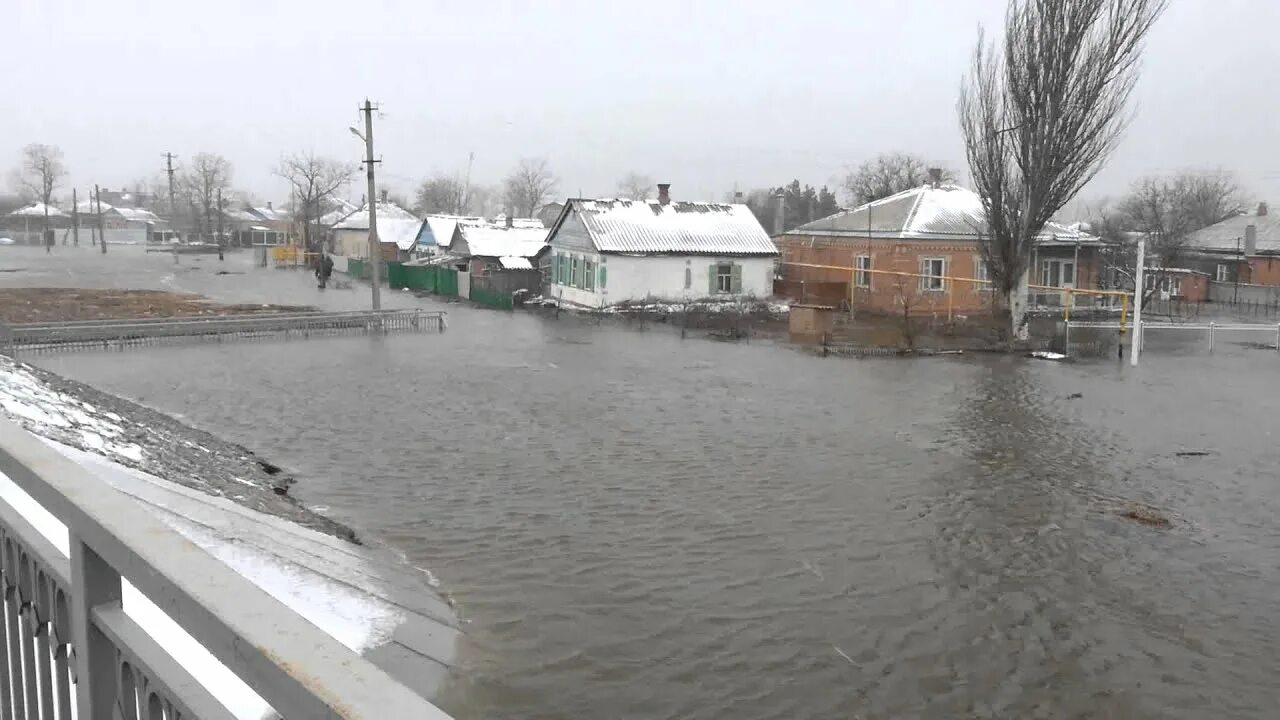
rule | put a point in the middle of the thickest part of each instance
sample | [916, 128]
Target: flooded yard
[639, 526]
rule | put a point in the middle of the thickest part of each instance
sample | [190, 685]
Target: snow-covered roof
[401, 231]
[519, 222]
[515, 263]
[240, 215]
[271, 213]
[640, 226]
[1228, 235]
[339, 211]
[137, 214]
[442, 226]
[37, 209]
[359, 220]
[927, 212]
[499, 242]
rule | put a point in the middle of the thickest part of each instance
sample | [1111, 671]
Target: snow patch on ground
[37, 408]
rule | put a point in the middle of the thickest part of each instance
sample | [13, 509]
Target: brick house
[1244, 248]
[931, 231]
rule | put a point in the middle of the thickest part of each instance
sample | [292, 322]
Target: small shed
[811, 323]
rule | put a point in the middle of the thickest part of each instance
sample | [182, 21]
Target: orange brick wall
[888, 292]
[1264, 270]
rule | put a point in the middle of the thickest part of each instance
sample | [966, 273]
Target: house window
[688, 278]
[1222, 273]
[575, 280]
[862, 278]
[1058, 273]
[588, 275]
[933, 270]
[564, 269]
[724, 278]
[981, 272]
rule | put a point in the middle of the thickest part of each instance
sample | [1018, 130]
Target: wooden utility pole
[102, 230]
[75, 219]
[219, 239]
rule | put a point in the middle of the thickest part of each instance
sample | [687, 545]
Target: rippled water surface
[637, 526]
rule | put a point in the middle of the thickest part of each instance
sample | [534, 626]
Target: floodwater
[636, 526]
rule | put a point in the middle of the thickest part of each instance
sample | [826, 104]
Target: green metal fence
[425, 278]
[491, 298]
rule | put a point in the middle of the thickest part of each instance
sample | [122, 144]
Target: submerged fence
[117, 334]
[1096, 337]
[70, 641]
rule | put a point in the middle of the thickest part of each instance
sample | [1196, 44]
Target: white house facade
[606, 252]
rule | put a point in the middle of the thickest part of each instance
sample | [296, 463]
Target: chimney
[780, 214]
[384, 196]
[664, 193]
[1262, 209]
[935, 176]
[1250, 240]
[268, 204]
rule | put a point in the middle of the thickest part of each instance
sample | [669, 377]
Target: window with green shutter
[588, 275]
[735, 279]
[602, 276]
[555, 268]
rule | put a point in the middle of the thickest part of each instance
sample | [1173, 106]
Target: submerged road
[638, 526]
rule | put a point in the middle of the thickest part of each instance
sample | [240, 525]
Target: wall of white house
[661, 278]
[351, 243]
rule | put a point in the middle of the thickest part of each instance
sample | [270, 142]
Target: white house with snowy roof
[606, 252]
[398, 231]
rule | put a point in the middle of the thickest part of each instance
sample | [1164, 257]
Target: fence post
[1211, 326]
[93, 583]
[1278, 337]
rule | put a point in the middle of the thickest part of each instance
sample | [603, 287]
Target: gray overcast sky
[701, 93]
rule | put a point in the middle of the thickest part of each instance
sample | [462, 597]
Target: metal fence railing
[69, 639]
[115, 334]
[1266, 336]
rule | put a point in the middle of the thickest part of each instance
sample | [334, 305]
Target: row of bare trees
[525, 189]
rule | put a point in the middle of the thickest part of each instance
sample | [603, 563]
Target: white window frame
[861, 276]
[724, 281]
[1062, 264]
[982, 273]
[1222, 272]
[927, 282]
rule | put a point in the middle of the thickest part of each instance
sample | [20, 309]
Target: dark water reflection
[641, 527]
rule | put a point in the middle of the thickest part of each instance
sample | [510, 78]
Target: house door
[1058, 273]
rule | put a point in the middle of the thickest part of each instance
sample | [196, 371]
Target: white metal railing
[1210, 329]
[99, 334]
[69, 641]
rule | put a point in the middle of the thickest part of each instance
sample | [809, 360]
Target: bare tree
[1041, 115]
[528, 185]
[202, 180]
[441, 194]
[634, 186]
[313, 181]
[888, 174]
[1164, 211]
[38, 177]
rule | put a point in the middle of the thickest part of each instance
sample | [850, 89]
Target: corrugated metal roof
[638, 226]
[499, 242]
[945, 212]
[1228, 235]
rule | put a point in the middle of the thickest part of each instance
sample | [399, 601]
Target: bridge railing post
[96, 583]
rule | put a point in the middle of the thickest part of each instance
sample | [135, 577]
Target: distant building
[549, 212]
[931, 234]
[438, 231]
[1244, 248]
[606, 252]
[25, 224]
[398, 231]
